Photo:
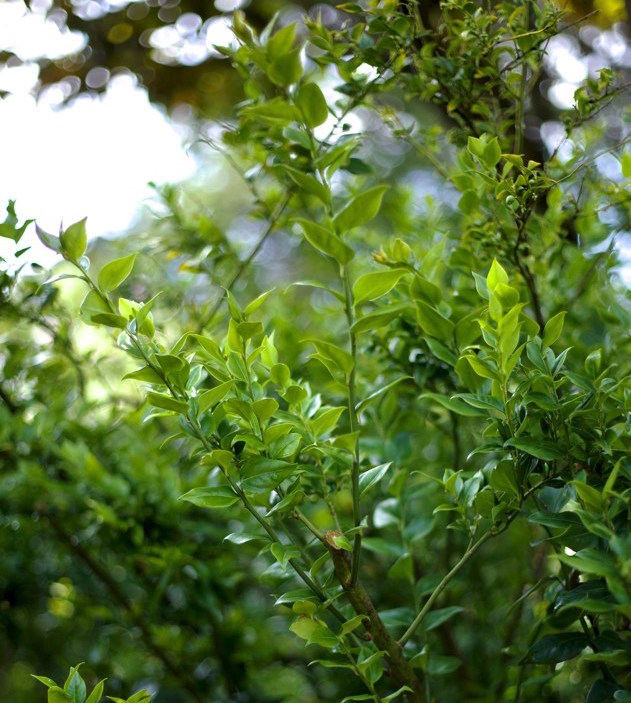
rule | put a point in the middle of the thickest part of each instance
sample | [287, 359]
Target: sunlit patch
[31, 35]
[93, 157]
[231, 5]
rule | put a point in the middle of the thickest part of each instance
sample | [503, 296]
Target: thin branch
[245, 263]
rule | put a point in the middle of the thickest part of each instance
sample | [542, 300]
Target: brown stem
[399, 667]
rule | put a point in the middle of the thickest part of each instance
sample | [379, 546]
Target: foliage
[430, 452]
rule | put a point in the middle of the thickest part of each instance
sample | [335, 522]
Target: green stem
[442, 585]
[472, 549]
[243, 265]
[354, 423]
[265, 524]
[299, 515]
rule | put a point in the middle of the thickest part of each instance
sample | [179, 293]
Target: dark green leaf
[551, 649]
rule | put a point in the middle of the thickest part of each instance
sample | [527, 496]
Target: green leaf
[492, 153]
[376, 320]
[45, 680]
[496, 275]
[475, 146]
[552, 330]
[58, 695]
[326, 421]
[326, 241]
[379, 392]
[208, 399]
[352, 624]
[287, 69]
[436, 618]
[481, 367]
[433, 323]
[74, 685]
[97, 693]
[312, 104]
[48, 240]
[115, 272]
[294, 595]
[242, 537]
[588, 495]
[264, 408]
[369, 478]
[441, 666]
[92, 305]
[360, 210]
[275, 112]
[591, 561]
[74, 241]
[166, 402]
[484, 402]
[341, 542]
[211, 497]
[110, 320]
[9, 228]
[338, 356]
[146, 374]
[543, 449]
[422, 289]
[284, 552]
[309, 184]
[396, 694]
[551, 649]
[373, 285]
[455, 405]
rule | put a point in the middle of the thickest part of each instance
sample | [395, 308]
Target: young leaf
[97, 693]
[552, 330]
[45, 680]
[360, 210]
[48, 240]
[115, 272]
[373, 285]
[286, 70]
[75, 686]
[496, 275]
[326, 241]
[312, 104]
[58, 695]
[74, 241]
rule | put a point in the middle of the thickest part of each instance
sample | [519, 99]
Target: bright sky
[95, 156]
[92, 158]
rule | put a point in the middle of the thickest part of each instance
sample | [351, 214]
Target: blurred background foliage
[100, 562]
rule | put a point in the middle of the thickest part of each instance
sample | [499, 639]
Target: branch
[400, 669]
[243, 265]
